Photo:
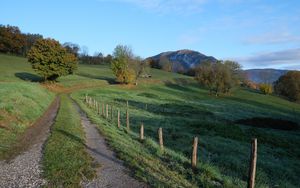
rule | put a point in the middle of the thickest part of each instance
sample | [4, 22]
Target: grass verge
[66, 161]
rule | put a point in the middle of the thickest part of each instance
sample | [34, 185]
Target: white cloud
[278, 59]
[273, 38]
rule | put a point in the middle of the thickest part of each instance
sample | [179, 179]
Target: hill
[264, 75]
[182, 60]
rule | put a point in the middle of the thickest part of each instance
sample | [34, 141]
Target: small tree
[266, 89]
[123, 64]
[219, 77]
[288, 85]
[49, 59]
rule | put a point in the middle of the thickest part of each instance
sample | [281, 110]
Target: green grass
[184, 111]
[21, 103]
[65, 161]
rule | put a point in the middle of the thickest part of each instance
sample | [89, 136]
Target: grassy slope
[21, 103]
[185, 110]
[65, 160]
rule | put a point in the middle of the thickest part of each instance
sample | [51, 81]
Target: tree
[219, 77]
[30, 40]
[72, 48]
[51, 60]
[122, 64]
[108, 59]
[165, 64]
[288, 85]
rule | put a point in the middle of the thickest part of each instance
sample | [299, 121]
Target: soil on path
[24, 169]
[112, 172]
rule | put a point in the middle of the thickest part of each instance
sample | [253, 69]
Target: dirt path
[25, 169]
[112, 173]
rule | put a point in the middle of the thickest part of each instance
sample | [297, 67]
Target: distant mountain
[264, 75]
[182, 60]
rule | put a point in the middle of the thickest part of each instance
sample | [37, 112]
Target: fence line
[92, 103]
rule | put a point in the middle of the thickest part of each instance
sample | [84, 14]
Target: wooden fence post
[142, 132]
[119, 124]
[127, 104]
[86, 98]
[98, 108]
[111, 112]
[90, 105]
[94, 103]
[127, 120]
[106, 111]
[194, 152]
[252, 170]
[160, 137]
[103, 109]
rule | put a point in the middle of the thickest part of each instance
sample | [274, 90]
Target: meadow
[184, 110]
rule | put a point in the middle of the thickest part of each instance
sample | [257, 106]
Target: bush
[266, 88]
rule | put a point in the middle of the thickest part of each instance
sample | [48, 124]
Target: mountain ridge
[185, 60]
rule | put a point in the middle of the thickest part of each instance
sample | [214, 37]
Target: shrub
[266, 88]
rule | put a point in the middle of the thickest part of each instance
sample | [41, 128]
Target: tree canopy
[288, 85]
[218, 77]
[51, 60]
[125, 65]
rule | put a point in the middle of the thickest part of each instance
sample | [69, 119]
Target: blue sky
[256, 33]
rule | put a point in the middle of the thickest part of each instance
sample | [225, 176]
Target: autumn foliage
[288, 85]
[51, 60]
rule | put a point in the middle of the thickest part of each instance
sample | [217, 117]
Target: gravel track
[25, 169]
[112, 172]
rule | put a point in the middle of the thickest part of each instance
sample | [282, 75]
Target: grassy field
[184, 110]
[21, 102]
[66, 161]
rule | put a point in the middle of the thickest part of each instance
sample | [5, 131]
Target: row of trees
[13, 41]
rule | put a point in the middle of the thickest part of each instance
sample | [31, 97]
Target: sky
[256, 33]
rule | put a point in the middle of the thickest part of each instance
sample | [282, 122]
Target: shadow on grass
[168, 109]
[264, 106]
[29, 77]
[108, 79]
